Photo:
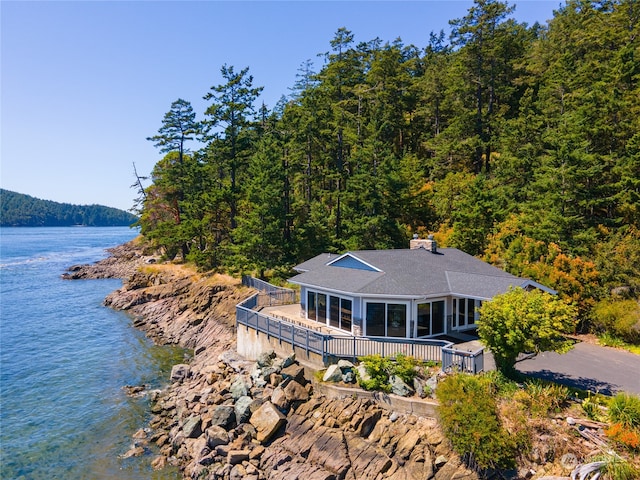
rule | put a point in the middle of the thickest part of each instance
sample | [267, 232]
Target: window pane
[437, 311]
[470, 311]
[396, 320]
[424, 319]
[461, 312]
[322, 308]
[311, 305]
[375, 319]
[334, 311]
[345, 314]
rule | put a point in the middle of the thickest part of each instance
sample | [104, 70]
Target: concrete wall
[250, 344]
[415, 406]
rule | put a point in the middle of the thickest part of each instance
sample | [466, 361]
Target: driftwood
[584, 472]
[592, 437]
[586, 423]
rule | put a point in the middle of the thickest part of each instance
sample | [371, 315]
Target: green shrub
[468, 415]
[591, 408]
[624, 408]
[381, 368]
[378, 368]
[405, 367]
[609, 340]
[505, 386]
[546, 397]
[618, 318]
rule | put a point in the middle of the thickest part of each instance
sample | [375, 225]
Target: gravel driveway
[588, 367]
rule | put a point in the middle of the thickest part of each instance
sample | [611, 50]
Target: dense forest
[19, 210]
[515, 143]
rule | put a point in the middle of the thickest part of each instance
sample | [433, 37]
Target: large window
[375, 319]
[311, 306]
[386, 319]
[465, 312]
[339, 312]
[424, 319]
[437, 317]
[345, 314]
[334, 311]
[322, 308]
[430, 318]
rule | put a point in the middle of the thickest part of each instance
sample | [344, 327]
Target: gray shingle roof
[408, 272]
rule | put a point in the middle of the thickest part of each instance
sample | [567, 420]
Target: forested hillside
[19, 210]
[516, 143]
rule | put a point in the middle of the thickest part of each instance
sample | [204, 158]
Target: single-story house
[418, 292]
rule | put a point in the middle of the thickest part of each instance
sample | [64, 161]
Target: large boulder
[345, 364]
[421, 388]
[216, 436]
[294, 392]
[399, 387]
[362, 373]
[224, 416]
[179, 372]
[265, 359]
[295, 372]
[333, 374]
[267, 420]
[192, 427]
[279, 399]
[243, 409]
[240, 386]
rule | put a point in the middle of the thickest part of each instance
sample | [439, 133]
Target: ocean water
[64, 359]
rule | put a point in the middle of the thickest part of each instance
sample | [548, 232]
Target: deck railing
[331, 346]
[270, 295]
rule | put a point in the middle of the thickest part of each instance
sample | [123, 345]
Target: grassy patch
[609, 340]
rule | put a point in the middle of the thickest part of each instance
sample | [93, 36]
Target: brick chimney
[428, 244]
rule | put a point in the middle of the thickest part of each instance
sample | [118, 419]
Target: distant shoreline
[20, 210]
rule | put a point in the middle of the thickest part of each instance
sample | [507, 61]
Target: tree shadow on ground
[582, 383]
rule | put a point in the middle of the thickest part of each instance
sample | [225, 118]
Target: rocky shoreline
[226, 418]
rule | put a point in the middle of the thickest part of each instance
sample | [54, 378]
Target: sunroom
[420, 292]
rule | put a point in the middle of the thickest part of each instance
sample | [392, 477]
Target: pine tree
[232, 111]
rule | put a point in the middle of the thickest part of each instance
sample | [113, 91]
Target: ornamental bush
[618, 318]
[522, 321]
[381, 368]
[469, 418]
[624, 408]
[378, 368]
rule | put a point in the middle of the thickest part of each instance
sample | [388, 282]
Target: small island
[20, 210]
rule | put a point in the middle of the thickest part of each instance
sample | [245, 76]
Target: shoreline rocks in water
[123, 261]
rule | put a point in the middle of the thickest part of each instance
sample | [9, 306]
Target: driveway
[588, 367]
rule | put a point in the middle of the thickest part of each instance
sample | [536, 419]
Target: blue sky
[83, 83]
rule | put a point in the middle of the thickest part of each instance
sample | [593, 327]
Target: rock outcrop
[123, 262]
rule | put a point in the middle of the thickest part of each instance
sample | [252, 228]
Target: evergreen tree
[233, 112]
[490, 45]
[259, 239]
[171, 176]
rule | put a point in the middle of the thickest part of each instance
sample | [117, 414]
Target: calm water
[64, 359]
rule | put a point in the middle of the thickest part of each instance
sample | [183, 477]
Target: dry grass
[181, 270]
